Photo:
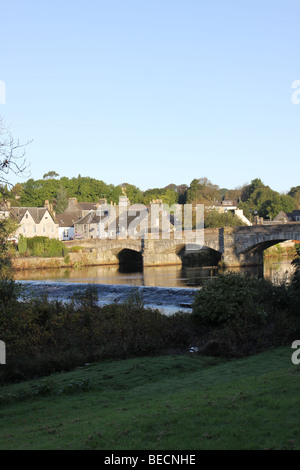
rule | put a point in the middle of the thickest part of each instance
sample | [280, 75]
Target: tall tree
[50, 175]
[61, 200]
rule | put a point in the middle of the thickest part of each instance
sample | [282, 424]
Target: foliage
[202, 191]
[295, 285]
[264, 200]
[50, 175]
[22, 244]
[42, 246]
[232, 298]
[216, 219]
[7, 228]
[42, 336]
[61, 200]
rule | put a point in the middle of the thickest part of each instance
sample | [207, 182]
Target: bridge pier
[232, 259]
[162, 253]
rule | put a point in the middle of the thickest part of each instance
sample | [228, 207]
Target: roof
[90, 218]
[66, 219]
[37, 213]
[4, 207]
[282, 216]
[87, 206]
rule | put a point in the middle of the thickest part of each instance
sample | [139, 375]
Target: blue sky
[153, 92]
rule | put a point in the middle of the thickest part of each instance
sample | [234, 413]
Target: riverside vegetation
[232, 316]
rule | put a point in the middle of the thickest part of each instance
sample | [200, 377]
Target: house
[296, 215]
[4, 210]
[287, 217]
[34, 221]
[282, 218]
[227, 205]
[76, 211]
[66, 229]
[87, 226]
[80, 209]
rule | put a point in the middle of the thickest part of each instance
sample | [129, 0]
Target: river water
[168, 288]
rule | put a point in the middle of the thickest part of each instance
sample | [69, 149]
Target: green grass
[183, 402]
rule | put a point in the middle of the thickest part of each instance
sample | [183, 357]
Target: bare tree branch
[12, 156]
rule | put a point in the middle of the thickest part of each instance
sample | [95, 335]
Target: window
[34, 229]
[44, 229]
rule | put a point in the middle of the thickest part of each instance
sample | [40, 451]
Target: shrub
[42, 246]
[295, 284]
[22, 245]
[233, 298]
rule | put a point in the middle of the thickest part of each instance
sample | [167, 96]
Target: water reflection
[162, 276]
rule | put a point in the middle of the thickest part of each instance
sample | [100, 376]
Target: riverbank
[285, 250]
[77, 260]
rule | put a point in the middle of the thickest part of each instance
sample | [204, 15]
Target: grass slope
[183, 402]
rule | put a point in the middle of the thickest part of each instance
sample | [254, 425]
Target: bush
[42, 247]
[233, 298]
[22, 245]
[43, 337]
[295, 284]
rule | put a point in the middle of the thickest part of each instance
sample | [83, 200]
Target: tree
[202, 191]
[50, 175]
[61, 200]
[295, 194]
[133, 193]
[216, 219]
[12, 156]
[12, 160]
[264, 200]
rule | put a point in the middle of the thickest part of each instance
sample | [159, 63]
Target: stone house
[75, 212]
[80, 209]
[34, 221]
[87, 226]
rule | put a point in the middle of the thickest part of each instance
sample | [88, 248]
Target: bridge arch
[206, 256]
[130, 260]
[244, 246]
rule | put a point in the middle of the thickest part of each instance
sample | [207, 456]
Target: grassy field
[183, 402]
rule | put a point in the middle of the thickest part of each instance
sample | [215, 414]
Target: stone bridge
[240, 246]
